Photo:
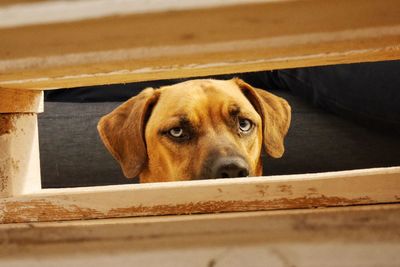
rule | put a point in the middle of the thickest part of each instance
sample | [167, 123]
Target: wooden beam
[19, 154]
[292, 224]
[18, 101]
[346, 236]
[251, 37]
[19, 145]
[345, 188]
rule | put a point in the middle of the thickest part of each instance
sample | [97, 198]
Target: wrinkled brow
[176, 121]
[234, 110]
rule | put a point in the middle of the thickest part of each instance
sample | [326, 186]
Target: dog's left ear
[122, 132]
[275, 113]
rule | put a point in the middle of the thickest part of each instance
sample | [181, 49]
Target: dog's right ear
[275, 113]
[122, 132]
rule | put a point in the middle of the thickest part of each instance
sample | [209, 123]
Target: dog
[196, 129]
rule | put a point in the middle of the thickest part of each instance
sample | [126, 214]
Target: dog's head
[196, 129]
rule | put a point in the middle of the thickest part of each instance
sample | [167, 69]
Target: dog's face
[196, 130]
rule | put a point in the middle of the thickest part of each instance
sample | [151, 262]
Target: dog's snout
[230, 167]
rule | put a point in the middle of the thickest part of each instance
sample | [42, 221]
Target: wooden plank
[16, 2]
[199, 42]
[19, 154]
[34, 12]
[345, 188]
[299, 222]
[17, 101]
[349, 236]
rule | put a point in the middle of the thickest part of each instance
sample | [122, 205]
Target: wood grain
[200, 42]
[17, 101]
[347, 236]
[19, 154]
[371, 186]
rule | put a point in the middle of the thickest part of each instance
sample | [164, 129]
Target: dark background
[343, 117]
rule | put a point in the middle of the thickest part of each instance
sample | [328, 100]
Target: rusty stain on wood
[4, 178]
[8, 166]
[262, 189]
[20, 101]
[46, 210]
[286, 189]
[312, 191]
[239, 205]
[7, 124]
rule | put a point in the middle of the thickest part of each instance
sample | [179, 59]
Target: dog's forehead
[197, 91]
[197, 100]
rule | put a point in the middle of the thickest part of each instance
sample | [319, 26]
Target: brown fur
[136, 133]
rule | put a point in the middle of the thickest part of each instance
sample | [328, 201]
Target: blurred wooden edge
[279, 225]
[369, 186]
[361, 236]
[262, 36]
[18, 101]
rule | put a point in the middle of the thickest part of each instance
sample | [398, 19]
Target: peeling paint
[262, 189]
[4, 177]
[3, 180]
[7, 124]
[43, 210]
[238, 205]
[47, 210]
[7, 168]
[286, 189]
[312, 191]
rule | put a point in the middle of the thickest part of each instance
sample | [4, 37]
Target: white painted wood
[351, 236]
[370, 186]
[19, 154]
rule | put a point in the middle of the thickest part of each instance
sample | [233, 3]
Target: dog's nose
[230, 167]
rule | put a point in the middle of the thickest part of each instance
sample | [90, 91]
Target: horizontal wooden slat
[347, 236]
[294, 224]
[345, 188]
[17, 2]
[32, 12]
[200, 42]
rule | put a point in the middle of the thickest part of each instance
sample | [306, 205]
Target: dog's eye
[245, 125]
[176, 132]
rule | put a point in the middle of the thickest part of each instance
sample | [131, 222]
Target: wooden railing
[184, 43]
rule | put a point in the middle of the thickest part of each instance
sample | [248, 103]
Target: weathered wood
[199, 42]
[19, 154]
[182, 44]
[34, 12]
[19, 146]
[18, 101]
[325, 224]
[347, 236]
[346, 188]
